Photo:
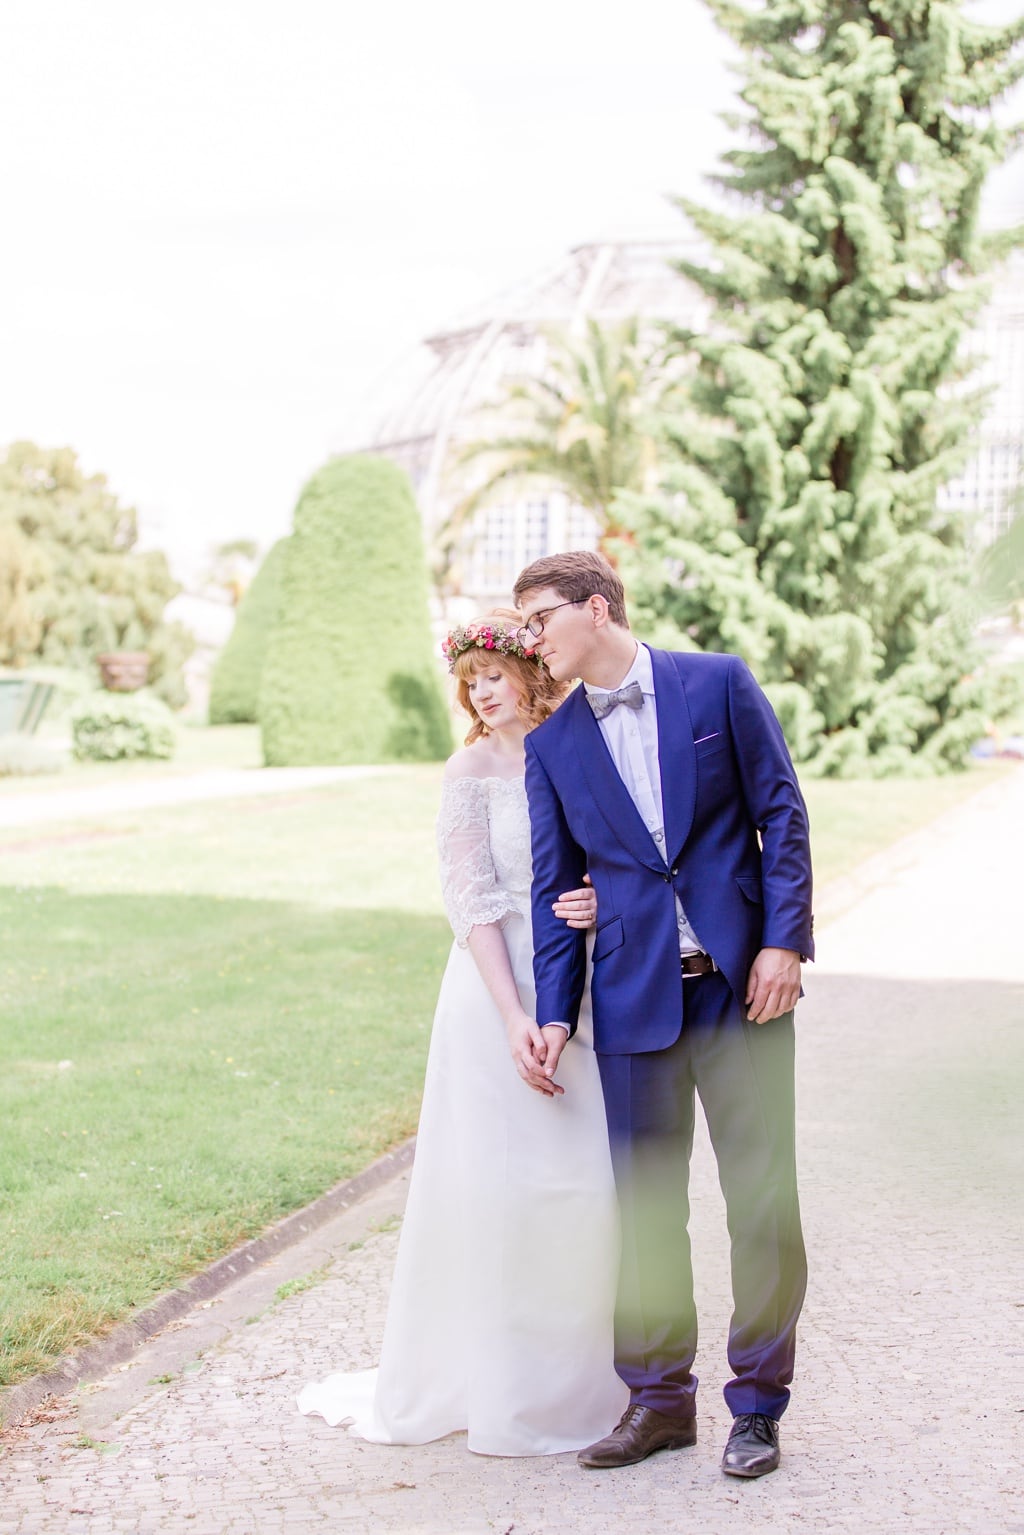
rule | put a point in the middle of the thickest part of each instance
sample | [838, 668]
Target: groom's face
[566, 633]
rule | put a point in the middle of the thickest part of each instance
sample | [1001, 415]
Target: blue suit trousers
[743, 1073]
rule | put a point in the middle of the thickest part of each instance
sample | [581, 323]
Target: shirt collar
[641, 671]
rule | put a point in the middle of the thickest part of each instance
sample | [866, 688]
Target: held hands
[535, 1053]
[773, 986]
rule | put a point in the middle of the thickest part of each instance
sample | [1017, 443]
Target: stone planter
[124, 671]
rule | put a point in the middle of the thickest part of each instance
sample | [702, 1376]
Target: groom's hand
[531, 1052]
[578, 908]
[555, 1038]
[773, 986]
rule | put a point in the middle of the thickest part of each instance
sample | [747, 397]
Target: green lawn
[178, 1072]
[367, 842]
[213, 1012]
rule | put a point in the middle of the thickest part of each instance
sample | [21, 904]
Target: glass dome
[434, 399]
[435, 396]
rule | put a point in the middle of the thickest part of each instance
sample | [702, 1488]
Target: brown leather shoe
[639, 1432]
[753, 1446]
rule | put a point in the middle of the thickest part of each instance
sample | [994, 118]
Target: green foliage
[106, 727]
[23, 569]
[999, 570]
[827, 404]
[349, 674]
[588, 424]
[72, 583]
[235, 685]
[1005, 697]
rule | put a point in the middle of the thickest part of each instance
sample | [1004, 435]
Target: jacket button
[675, 871]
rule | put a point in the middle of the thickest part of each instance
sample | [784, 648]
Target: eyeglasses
[535, 626]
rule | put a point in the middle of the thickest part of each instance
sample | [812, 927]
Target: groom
[666, 776]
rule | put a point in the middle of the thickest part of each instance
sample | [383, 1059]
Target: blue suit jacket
[736, 850]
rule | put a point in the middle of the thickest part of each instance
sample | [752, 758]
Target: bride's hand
[578, 908]
[529, 1052]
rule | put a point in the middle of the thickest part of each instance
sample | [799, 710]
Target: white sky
[225, 218]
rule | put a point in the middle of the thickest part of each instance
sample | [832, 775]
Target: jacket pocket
[750, 885]
[609, 936]
[708, 745]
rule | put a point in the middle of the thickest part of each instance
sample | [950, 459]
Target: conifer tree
[804, 525]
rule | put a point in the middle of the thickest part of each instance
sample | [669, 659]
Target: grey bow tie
[632, 695]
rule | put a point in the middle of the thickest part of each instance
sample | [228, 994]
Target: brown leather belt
[696, 964]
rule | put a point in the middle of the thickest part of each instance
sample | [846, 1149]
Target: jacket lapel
[609, 792]
[676, 756]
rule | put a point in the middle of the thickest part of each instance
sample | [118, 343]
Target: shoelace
[757, 1423]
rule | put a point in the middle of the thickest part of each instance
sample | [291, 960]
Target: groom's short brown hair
[575, 576]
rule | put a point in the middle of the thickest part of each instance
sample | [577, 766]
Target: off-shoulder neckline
[486, 778]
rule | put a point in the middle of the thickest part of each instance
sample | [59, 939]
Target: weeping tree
[803, 522]
[73, 583]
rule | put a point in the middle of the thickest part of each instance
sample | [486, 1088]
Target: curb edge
[96, 1359]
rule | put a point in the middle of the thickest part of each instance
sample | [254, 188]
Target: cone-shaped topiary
[350, 674]
[235, 684]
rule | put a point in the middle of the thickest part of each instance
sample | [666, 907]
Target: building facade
[987, 492]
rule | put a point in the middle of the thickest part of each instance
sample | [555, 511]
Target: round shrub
[238, 672]
[351, 673]
[106, 727]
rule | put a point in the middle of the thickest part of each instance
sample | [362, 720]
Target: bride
[500, 1315]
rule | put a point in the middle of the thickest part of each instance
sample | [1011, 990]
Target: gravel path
[84, 803]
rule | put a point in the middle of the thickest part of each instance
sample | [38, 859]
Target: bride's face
[493, 697]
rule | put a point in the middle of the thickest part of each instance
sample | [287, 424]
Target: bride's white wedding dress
[500, 1315]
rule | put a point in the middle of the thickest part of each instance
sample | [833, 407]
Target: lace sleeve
[469, 885]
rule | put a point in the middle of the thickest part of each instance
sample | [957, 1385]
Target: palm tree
[589, 424]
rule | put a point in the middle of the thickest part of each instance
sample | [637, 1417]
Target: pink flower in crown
[493, 637]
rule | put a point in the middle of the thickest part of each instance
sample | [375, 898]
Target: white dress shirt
[631, 736]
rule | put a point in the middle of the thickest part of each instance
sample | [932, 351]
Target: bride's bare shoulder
[475, 761]
[467, 762]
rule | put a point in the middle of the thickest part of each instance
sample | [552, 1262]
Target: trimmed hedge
[350, 674]
[238, 671]
[106, 727]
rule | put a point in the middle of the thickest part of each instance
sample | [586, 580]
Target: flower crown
[498, 636]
